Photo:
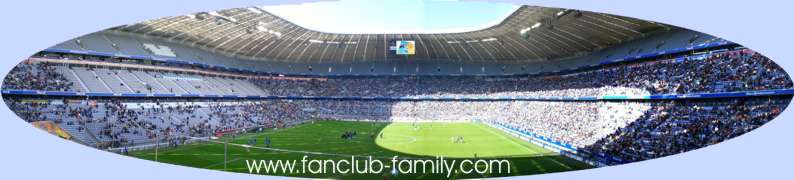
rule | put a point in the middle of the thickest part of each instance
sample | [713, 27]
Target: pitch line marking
[561, 164]
[538, 166]
[296, 151]
[221, 163]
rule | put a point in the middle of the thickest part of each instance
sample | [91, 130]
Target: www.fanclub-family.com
[368, 165]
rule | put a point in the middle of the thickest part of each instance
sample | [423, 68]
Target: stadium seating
[725, 71]
[678, 126]
[608, 132]
[42, 76]
[91, 80]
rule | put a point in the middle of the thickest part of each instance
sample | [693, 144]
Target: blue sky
[394, 16]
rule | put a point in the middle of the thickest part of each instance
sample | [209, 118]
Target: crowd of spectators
[729, 71]
[576, 123]
[610, 131]
[726, 71]
[674, 127]
[36, 76]
[120, 123]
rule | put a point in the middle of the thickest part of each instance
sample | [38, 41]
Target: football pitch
[322, 140]
[438, 139]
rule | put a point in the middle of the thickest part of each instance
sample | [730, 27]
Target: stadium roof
[529, 34]
[394, 16]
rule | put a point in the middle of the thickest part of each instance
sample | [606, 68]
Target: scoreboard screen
[406, 47]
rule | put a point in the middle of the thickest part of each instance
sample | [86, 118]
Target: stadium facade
[596, 88]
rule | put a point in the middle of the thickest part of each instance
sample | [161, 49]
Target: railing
[778, 92]
[604, 62]
[161, 69]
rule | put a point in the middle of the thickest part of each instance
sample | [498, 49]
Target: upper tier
[714, 72]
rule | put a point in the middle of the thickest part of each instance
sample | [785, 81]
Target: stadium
[544, 90]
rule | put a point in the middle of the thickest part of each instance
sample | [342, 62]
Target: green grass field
[321, 140]
[435, 139]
